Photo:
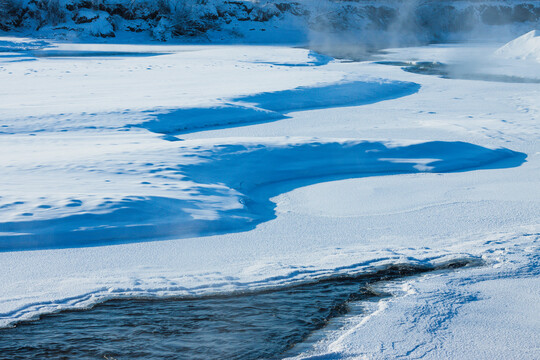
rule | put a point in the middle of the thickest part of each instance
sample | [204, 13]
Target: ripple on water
[254, 325]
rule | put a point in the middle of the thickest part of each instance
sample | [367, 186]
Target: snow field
[456, 176]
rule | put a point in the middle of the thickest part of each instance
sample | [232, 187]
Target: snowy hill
[526, 47]
[386, 21]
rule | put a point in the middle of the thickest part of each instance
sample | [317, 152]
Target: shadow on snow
[271, 106]
[247, 176]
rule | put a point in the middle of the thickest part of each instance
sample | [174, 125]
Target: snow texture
[526, 47]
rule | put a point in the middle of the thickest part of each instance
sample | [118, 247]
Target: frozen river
[193, 172]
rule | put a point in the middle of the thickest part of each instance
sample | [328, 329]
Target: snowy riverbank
[412, 169]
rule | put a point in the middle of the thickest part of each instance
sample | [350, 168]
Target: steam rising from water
[356, 30]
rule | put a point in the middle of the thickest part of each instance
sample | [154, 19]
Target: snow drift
[526, 47]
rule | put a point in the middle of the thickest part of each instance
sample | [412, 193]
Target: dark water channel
[255, 325]
[449, 71]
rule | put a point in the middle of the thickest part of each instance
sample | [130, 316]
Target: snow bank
[525, 47]
[482, 311]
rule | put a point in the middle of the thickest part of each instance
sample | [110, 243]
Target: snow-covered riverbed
[302, 167]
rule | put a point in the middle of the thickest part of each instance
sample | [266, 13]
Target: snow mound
[525, 47]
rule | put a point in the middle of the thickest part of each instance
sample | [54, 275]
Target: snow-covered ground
[201, 169]
[525, 47]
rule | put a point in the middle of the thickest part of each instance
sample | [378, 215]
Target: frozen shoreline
[324, 228]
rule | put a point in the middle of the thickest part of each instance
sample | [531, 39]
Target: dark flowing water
[254, 325]
[455, 72]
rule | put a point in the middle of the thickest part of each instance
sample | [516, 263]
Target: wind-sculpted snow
[525, 47]
[197, 119]
[273, 106]
[221, 196]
